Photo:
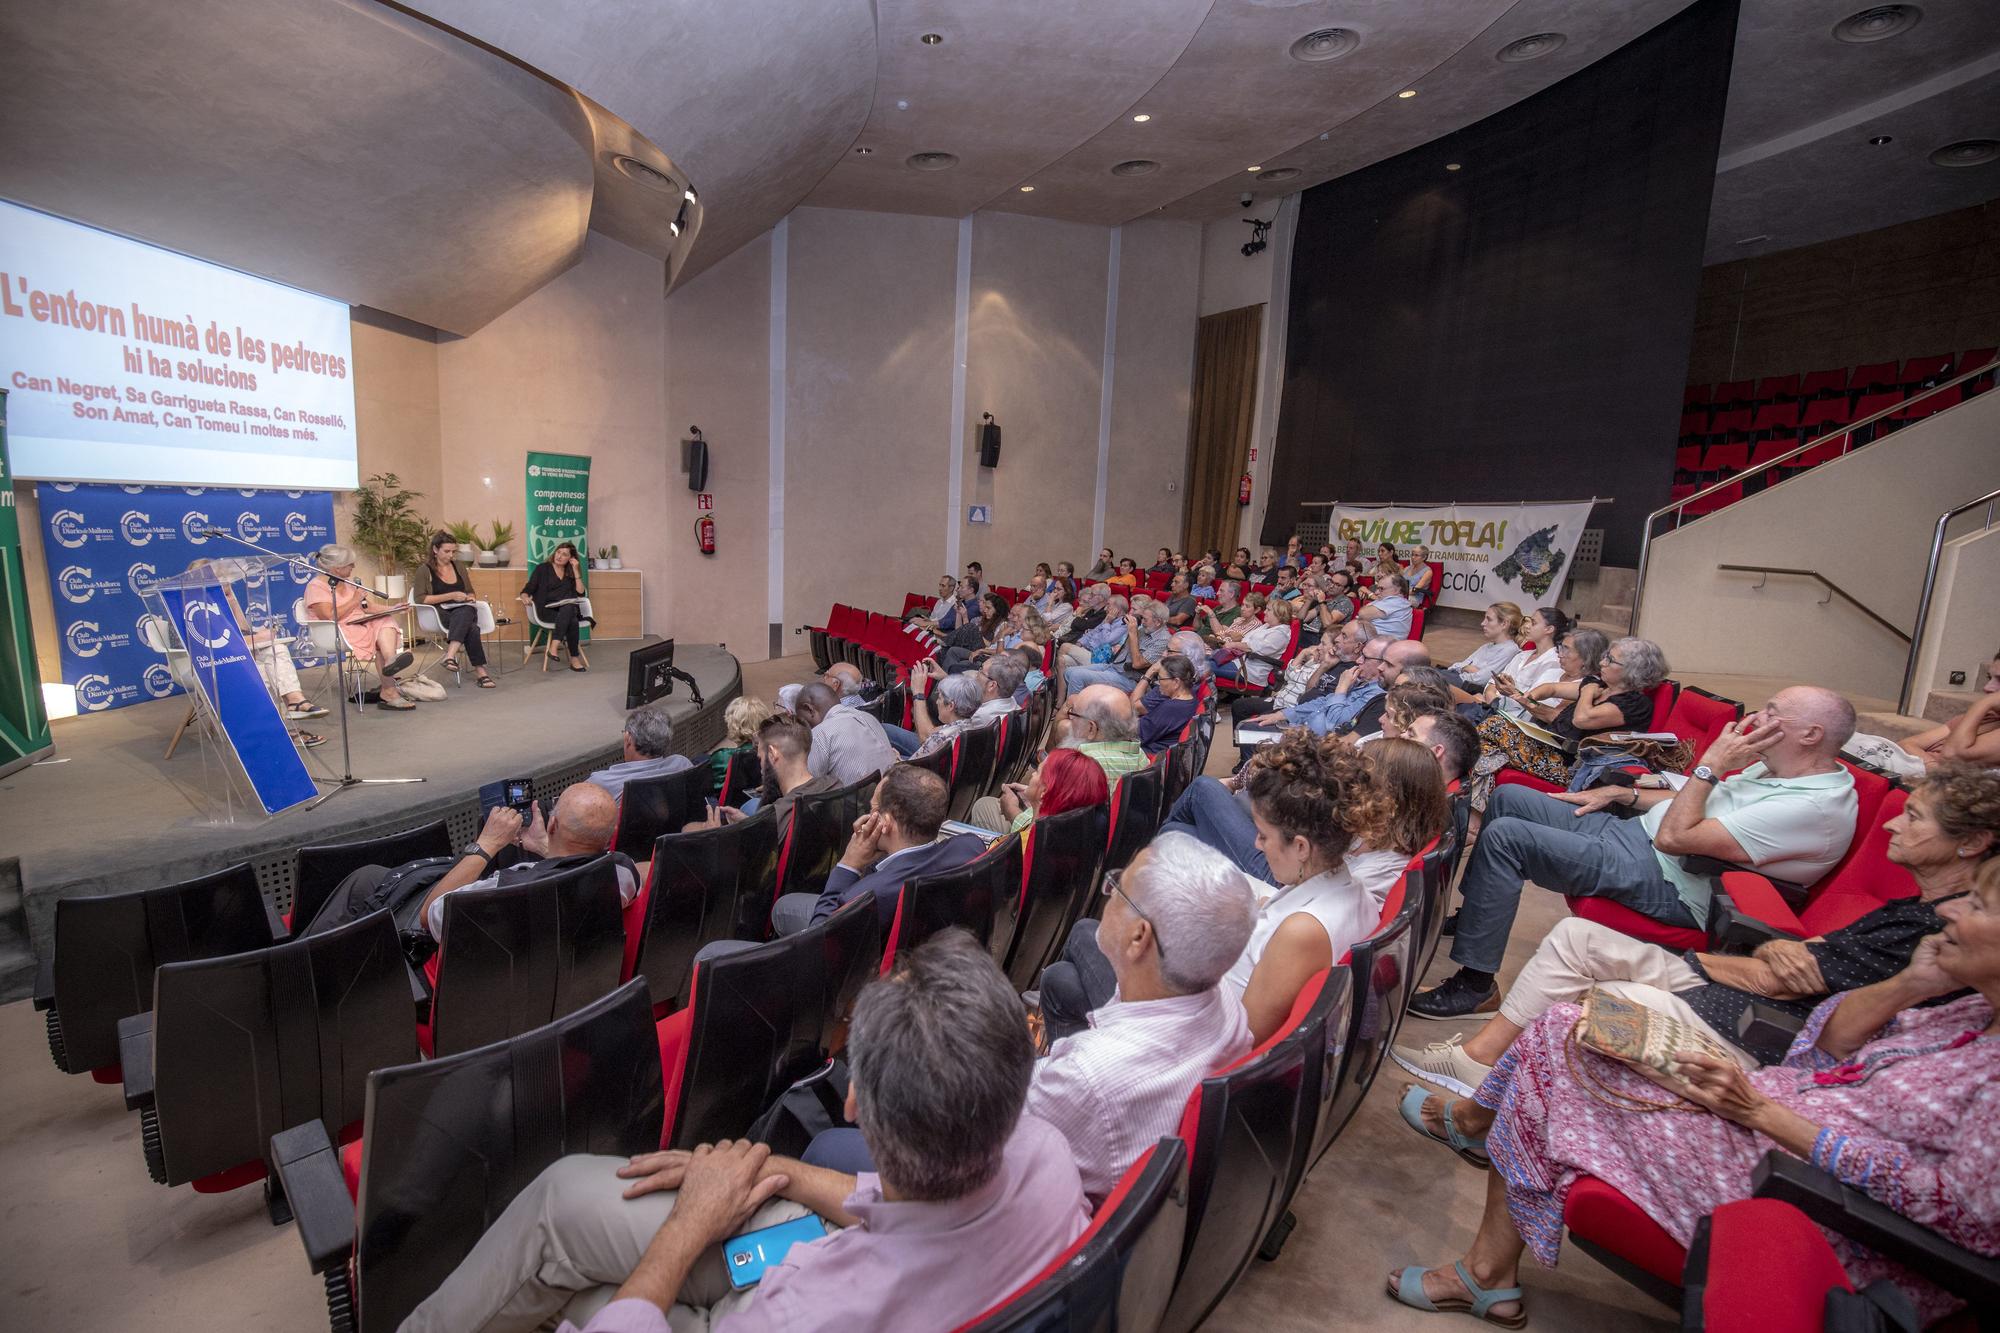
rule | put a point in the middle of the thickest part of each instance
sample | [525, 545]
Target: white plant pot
[392, 586]
[489, 557]
[617, 562]
[502, 554]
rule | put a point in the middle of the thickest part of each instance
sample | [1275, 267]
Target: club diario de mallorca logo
[138, 528]
[192, 524]
[159, 681]
[72, 531]
[85, 638]
[139, 578]
[95, 693]
[250, 526]
[206, 626]
[78, 584]
[297, 525]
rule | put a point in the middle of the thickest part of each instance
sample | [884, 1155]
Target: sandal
[1409, 1290]
[450, 664]
[1471, 1149]
[488, 683]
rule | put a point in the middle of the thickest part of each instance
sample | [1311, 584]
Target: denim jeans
[1077, 982]
[841, 1149]
[1219, 817]
[1080, 677]
[901, 739]
[1530, 835]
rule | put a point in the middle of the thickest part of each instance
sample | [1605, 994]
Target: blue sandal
[1409, 1291]
[1471, 1149]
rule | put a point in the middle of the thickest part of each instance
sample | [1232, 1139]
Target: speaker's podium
[211, 622]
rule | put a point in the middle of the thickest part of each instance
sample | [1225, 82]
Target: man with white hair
[1788, 815]
[1174, 922]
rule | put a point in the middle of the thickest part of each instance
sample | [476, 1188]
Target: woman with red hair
[1066, 780]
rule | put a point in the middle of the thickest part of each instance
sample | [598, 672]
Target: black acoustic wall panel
[1518, 328]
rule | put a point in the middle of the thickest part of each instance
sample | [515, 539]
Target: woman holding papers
[1616, 697]
[373, 637]
[552, 587]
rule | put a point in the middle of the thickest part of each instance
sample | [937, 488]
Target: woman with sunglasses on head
[557, 580]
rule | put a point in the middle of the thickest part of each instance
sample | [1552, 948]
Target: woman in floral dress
[1896, 1097]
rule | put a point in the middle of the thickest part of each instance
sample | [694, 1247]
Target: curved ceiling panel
[755, 102]
[335, 145]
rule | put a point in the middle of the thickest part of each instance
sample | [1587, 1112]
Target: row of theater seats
[1764, 1263]
[1737, 431]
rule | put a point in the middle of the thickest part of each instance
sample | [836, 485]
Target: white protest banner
[1490, 552]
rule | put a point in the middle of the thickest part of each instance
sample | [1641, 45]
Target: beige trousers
[563, 1247]
[1579, 954]
[985, 813]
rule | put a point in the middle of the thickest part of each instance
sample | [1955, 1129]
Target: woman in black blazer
[556, 580]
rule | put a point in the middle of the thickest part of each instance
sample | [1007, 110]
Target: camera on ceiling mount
[1244, 200]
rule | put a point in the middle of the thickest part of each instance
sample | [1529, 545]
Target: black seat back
[249, 1044]
[938, 761]
[107, 946]
[450, 1142]
[820, 828]
[978, 749]
[759, 1022]
[1178, 760]
[1381, 967]
[653, 806]
[1440, 873]
[1121, 1271]
[712, 884]
[1013, 747]
[519, 956]
[1060, 862]
[969, 895]
[321, 868]
[1135, 814]
[741, 779]
[1252, 1129]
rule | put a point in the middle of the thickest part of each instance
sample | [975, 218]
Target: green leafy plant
[466, 535]
[502, 535]
[388, 526]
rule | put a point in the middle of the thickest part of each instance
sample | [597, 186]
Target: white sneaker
[1443, 1063]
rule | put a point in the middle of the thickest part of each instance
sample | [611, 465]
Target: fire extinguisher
[704, 534]
[1243, 490]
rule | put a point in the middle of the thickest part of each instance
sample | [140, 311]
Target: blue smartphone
[748, 1255]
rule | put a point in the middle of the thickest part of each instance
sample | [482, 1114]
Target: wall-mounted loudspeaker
[697, 459]
[989, 441]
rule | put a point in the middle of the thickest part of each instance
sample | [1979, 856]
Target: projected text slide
[134, 364]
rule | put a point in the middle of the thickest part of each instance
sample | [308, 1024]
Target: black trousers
[1241, 711]
[461, 625]
[567, 622]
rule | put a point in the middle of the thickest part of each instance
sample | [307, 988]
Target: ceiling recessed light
[1878, 24]
[902, 104]
[931, 161]
[1967, 153]
[1141, 118]
[1325, 44]
[1272, 175]
[1027, 189]
[1881, 139]
[932, 39]
[1451, 166]
[1138, 166]
[1531, 48]
[864, 151]
[1407, 92]
[643, 173]
[1253, 168]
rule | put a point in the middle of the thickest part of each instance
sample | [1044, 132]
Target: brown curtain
[1225, 396]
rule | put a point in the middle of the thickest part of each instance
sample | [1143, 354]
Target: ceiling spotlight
[1531, 48]
[1027, 189]
[1878, 24]
[932, 39]
[1881, 139]
[1451, 166]
[931, 161]
[1407, 93]
[1253, 168]
[1325, 44]
[1141, 118]
[688, 194]
[1967, 153]
[863, 152]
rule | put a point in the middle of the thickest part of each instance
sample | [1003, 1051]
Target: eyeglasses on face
[1113, 883]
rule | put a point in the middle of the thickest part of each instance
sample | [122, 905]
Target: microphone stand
[346, 778]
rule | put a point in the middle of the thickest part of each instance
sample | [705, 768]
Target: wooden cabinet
[616, 599]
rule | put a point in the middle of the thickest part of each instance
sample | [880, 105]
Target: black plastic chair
[741, 778]
[1136, 808]
[1381, 966]
[712, 884]
[238, 1048]
[107, 945]
[1178, 760]
[761, 1019]
[969, 895]
[1429, 883]
[1250, 1127]
[449, 1143]
[654, 806]
[1059, 868]
[1118, 1275]
[977, 749]
[1013, 748]
[820, 828]
[519, 956]
[938, 761]
[321, 868]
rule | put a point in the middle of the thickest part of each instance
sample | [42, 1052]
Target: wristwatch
[1703, 773]
[474, 849]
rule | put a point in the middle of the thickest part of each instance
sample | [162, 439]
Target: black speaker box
[989, 444]
[697, 465]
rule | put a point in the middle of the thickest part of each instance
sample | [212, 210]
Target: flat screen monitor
[649, 674]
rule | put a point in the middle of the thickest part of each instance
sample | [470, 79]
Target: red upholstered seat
[1824, 381]
[1623, 919]
[1597, 1213]
[1861, 881]
[1767, 1269]
[350, 1168]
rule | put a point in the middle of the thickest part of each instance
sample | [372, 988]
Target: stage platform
[109, 814]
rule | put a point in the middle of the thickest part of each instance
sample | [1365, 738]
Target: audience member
[941, 1065]
[373, 639]
[1164, 700]
[847, 744]
[1127, 577]
[1265, 572]
[1295, 553]
[1408, 811]
[1180, 602]
[1260, 648]
[1143, 641]
[1387, 562]
[1287, 589]
[1355, 703]
[1105, 567]
[1891, 1097]
[1618, 698]
[1388, 610]
[957, 698]
[1163, 562]
[1539, 664]
[975, 574]
[740, 720]
[1971, 737]
[1452, 739]
[1789, 814]
[1229, 620]
[947, 596]
[582, 825]
[1100, 642]
[1098, 720]
[649, 751]
[1420, 574]
[1064, 780]
[1500, 632]
[896, 840]
[1942, 836]
[1351, 552]
[972, 636]
[784, 748]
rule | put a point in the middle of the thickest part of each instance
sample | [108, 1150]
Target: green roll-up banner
[24, 723]
[559, 509]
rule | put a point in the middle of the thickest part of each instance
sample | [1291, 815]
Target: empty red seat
[1759, 1266]
[1726, 457]
[1876, 375]
[1925, 370]
[1824, 450]
[1736, 421]
[1694, 424]
[1687, 458]
[1936, 401]
[1775, 387]
[1697, 395]
[1735, 393]
[1871, 404]
[1827, 412]
[1820, 382]
[1721, 499]
[1768, 452]
[1681, 490]
[1776, 418]
[1973, 360]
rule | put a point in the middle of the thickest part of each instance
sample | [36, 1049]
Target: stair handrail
[1930, 586]
[1830, 586]
[1847, 431]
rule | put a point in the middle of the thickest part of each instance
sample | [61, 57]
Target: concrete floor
[88, 1242]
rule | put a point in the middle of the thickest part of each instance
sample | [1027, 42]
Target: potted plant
[388, 527]
[469, 543]
[501, 541]
[603, 560]
[616, 563]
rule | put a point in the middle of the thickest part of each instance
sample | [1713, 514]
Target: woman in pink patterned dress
[1897, 1098]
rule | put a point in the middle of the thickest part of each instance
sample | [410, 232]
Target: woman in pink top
[375, 642]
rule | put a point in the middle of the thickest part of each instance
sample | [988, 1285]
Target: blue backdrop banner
[106, 544]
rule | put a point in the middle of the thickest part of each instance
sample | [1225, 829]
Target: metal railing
[1833, 590]
[1930, 586]
[1846, 437]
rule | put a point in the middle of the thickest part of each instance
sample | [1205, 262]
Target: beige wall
[1961, 633]
[1864, 521]
[1159, 272]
